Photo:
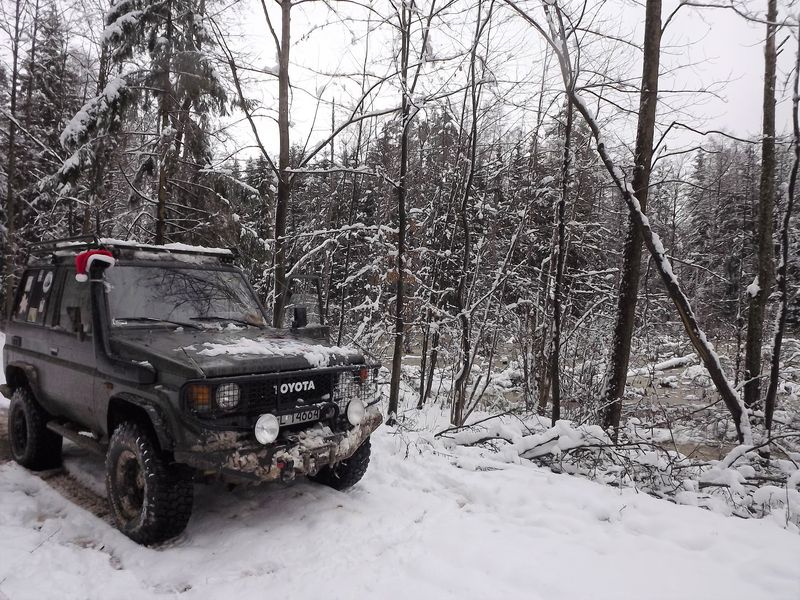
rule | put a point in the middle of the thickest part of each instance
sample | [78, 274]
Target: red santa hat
[85, 260]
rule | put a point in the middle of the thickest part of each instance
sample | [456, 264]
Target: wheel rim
[130, 485]
[19, 430]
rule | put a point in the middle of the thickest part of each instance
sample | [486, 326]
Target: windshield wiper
[231, 319]
[156, 320]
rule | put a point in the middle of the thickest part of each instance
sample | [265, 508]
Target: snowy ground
[424, 523]
[418, 526]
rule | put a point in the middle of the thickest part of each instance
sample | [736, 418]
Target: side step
[74, 436]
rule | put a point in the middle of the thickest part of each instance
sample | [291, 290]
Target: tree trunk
[101, 149]
[780, 280]
[555, 351]
[620, 349]
[284, 177]
[164, 110]
[32, 66]
[432, 364]
[464, 315]
[400, 193]
[11, 216]
[766, 195]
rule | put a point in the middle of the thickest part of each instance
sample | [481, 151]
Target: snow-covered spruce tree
[38, 94]
[50, 89]
[168, 86]
[251, 195]
[720, 206]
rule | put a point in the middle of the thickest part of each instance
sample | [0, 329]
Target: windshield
[179, 295]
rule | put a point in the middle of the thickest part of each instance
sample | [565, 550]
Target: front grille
[279, 393]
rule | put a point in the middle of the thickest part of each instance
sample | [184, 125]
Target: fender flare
[31, 376]
[160, 421]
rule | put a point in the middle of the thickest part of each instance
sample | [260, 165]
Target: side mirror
[300, 317]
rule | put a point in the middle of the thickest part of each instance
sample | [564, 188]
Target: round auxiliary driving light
[227, 396]
[356, 411]
[267, 428]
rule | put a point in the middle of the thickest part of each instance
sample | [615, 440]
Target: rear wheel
[346, 473]
[150, 498]
[33, 445]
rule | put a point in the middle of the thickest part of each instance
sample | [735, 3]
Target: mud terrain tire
[151, 499]
[346, 473]
[33, 445]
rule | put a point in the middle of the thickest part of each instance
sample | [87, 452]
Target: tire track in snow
[60, 480]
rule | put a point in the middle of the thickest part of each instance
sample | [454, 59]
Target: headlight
[227, 396]
[356, 411]
[267, 428]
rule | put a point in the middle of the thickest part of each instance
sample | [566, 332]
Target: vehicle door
[72, 354]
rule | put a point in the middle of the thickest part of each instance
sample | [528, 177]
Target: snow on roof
[173, 247]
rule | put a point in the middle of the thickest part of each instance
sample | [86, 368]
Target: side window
[35, 296]
[75, 312]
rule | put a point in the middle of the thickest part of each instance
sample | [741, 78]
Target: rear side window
[75, 312]
[36, 288]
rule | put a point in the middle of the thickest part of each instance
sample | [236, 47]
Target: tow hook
[310, 465]
[287, 470]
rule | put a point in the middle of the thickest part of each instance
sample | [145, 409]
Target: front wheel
[346, 473]
[150, 498]
[33, 445]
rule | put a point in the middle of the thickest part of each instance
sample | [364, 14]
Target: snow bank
[732, 486]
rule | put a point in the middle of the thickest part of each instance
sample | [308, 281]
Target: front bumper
[302, 454]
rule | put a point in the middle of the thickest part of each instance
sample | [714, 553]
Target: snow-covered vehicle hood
[228, 352]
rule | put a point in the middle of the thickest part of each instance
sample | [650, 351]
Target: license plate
[301, 416]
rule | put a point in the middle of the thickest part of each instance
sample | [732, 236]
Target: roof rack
[90, 242]
[51, 245]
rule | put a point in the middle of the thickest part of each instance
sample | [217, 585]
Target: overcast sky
[703, 49]
[730, 49]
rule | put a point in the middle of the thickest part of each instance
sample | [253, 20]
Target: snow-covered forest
[523, 210]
